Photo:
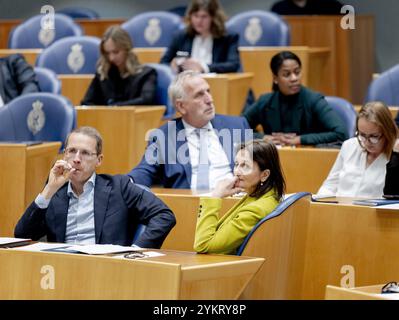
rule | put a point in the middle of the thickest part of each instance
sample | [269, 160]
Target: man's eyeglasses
[135, 255]
[390, 287]
[371, 138]
[84, 154]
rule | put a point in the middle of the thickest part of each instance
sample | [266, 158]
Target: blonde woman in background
[120, 79]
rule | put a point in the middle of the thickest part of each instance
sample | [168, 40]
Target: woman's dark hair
[277, 61]
[266, 156]
[216, 12]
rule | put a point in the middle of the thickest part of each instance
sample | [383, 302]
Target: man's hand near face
[59, 175]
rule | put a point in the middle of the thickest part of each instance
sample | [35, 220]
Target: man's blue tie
[203, 161]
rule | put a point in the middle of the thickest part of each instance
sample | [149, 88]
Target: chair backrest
[153, 29]
[165, 76]
[30, 34]
[71, 55]
[346, 112]
[275, 213]
[79, 13]
[139, 231]
[280, 238]
[385, 87]
[179, 10]
[259, 28]
[48, 80]
[39, 116]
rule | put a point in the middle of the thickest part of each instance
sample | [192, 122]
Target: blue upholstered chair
[165, 76]
[153, 29]
[79, 13]
[345, 111]
[259, 28]
[48, 80]
[385, 87]
[279, 210]
[140, 227]
[29, 34]
[280, 238]
[38, 116]
[71, 55]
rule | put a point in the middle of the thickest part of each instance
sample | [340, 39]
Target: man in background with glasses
[80, 207]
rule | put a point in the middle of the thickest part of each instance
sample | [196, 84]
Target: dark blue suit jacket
[119, 206]
[16, 77]
[225, 56]
[166, 159]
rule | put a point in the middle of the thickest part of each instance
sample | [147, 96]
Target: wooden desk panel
[316, 67]
[123, 130]
[185, 205]
[97, 27]
[74, 86]
[25, 170]
[176, 275]
[305, 169]
[342, 235]
[229, 91]
[149, 55]
[30, 55]
[352, 51]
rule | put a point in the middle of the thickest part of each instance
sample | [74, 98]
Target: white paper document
[5, 240]
[36, 247]
[101, 248]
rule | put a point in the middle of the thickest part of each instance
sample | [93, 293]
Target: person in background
[392, 176]
[360, 168]
[195, 150]
[204, 45]
[307, 7]
[79, 206]
[17, 77]
[293, 114]
[257, 171]
[120, 79]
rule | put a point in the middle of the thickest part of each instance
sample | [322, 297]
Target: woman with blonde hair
[204, 45]
[120, 79]
[360, 168]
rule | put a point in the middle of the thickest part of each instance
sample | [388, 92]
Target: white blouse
[349, 177]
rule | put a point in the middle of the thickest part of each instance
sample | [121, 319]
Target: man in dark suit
[173, 155]
[392, 175]
[79, 206]
[16, 78]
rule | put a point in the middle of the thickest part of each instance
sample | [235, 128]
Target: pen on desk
[326, 201]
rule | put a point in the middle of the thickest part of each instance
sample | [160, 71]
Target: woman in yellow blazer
[257, 171]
